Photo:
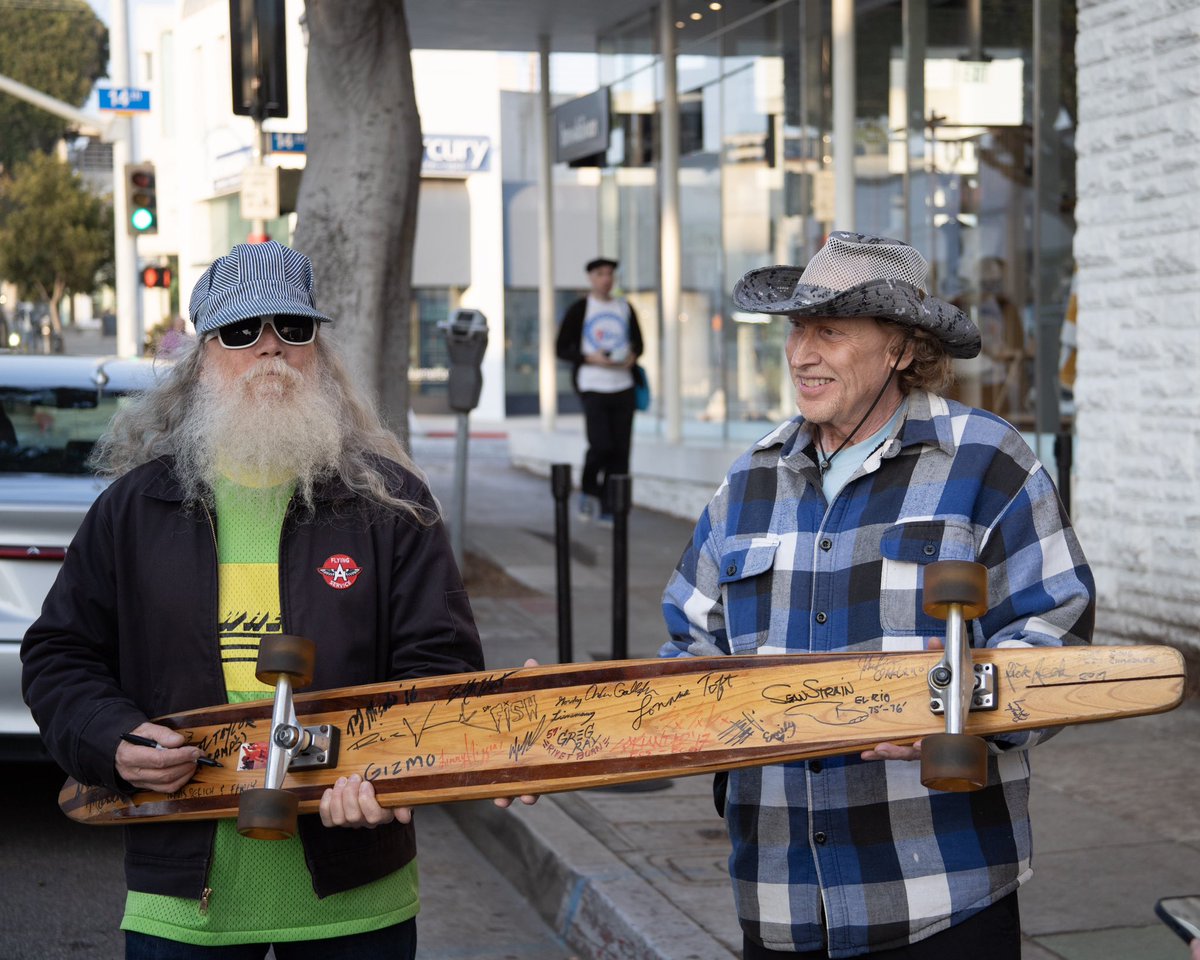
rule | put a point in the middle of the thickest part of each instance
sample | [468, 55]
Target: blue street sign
[124, 99]
[289, 142]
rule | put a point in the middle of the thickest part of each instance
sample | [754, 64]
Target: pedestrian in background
[255, 492]
[816, 542]
[600, 338]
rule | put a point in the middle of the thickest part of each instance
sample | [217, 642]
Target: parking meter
[466, 340]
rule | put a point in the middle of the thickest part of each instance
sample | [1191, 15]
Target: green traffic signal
[141, 220]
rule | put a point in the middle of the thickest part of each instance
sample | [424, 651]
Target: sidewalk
[642, 873]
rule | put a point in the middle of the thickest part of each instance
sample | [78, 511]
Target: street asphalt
[641, 873]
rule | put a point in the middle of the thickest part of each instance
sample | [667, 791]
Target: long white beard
[262, 428]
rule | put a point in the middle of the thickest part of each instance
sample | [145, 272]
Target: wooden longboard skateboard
[546, 729]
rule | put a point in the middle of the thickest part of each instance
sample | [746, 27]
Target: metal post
[547, 361]
[460, 491]
[670, 252]
[560, 486]
[258, 226]
[843, 115]
[129, 321]
[1051, 257]
[1064, 456]
[915, 19]
[620, 491]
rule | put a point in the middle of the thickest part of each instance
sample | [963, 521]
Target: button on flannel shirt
[851, 855]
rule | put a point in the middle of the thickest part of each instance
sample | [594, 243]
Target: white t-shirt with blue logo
[605, 330]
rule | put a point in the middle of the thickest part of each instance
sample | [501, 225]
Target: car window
[52, 430]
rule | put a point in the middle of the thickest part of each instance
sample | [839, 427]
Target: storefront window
[521, 337]
[429, 359]
[969, 160]
[753, 93]
[629, 224]
[945, 158]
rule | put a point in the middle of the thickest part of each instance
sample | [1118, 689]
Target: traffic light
[156, 277]
[258, 56]
[141, 197]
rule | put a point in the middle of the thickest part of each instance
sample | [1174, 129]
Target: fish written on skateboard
[555, 728]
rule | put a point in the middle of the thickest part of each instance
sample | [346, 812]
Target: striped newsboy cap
[253, 280]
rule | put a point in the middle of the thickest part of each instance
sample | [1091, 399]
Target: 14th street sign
[124, 99]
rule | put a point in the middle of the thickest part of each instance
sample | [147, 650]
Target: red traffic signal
[156, 277]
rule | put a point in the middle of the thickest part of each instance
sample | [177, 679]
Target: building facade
[739, 133]
[1137, 460]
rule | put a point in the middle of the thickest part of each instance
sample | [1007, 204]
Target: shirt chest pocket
[747, 577]
[907, 548]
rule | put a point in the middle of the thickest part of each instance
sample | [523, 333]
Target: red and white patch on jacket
[340, 571]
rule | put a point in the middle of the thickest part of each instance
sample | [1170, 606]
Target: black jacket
[568, 345]
[128, 632]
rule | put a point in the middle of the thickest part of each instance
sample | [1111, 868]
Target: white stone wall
[1136, 493]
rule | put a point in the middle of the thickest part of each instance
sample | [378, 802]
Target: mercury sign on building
[581, 127]
[455, 155]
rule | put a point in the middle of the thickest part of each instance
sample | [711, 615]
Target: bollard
[620, 491]
[462, 437]
[1064, 449]
[560, 486]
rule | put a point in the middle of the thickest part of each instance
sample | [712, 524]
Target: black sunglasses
[296, 331]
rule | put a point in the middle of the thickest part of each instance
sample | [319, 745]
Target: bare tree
[357, 207]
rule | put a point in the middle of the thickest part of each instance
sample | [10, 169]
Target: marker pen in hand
[140, 741]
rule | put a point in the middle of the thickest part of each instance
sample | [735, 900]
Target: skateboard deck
[552, 728]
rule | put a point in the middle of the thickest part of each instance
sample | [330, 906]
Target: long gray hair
[154, 426]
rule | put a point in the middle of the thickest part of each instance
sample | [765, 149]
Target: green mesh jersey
[261, 890]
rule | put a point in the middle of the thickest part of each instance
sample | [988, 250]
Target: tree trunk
[357, 207]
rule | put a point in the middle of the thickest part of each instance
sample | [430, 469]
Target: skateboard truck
[983, 696]
[956, 591]
[306, 748]
[269, 812]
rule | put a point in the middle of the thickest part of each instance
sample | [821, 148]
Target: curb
[589, 896]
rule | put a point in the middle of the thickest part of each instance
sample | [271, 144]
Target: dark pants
[992, 934]
[609, 420]
[398, 942]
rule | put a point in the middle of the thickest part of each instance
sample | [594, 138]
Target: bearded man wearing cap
[255, 492]
[815, 542]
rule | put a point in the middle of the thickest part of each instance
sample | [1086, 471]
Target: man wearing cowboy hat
[255, 492]
[815, 543]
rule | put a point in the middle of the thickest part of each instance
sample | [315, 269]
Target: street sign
[124, 99]
[289, 142]
[260, 193]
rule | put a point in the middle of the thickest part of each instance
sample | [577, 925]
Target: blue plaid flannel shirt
[850, 855]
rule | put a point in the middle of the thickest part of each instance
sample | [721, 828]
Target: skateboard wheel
[267, 814]
[286, 655]
[955, 581]
[954, 762]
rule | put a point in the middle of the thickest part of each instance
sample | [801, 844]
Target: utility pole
[129, 316]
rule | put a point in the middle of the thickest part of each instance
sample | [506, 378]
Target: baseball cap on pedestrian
[600, 262]
[254, 280]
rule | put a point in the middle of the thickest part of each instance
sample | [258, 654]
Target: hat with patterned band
[254, 280]
[855, 275]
